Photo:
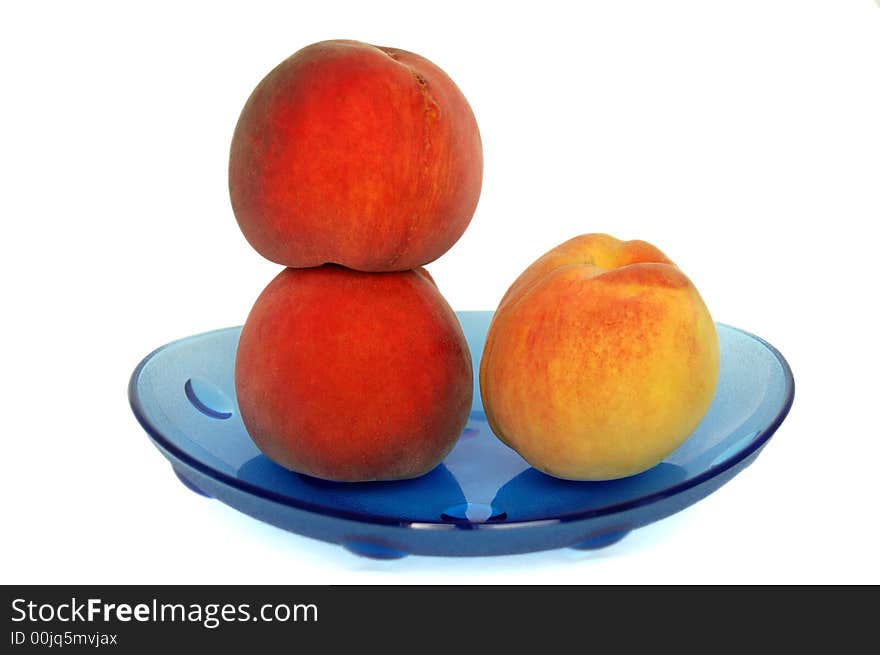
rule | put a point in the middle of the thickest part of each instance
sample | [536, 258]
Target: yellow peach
[600, 360]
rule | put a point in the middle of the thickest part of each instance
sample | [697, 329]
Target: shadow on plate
[533, 495]
[419, 499]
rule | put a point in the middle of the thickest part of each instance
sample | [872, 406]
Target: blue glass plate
[483, 499]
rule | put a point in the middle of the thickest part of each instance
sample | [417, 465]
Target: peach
[352, 376]
[348, 153]
[600, 360]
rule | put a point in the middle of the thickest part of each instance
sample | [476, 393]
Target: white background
[743, 138]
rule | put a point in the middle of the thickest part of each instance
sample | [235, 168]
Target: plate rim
[712, 471]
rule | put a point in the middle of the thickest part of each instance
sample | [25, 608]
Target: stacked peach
[354, 166]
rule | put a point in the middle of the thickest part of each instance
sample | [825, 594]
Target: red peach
[358, 155]
[353, 376]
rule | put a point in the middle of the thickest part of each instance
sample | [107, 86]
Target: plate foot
[601, 541]
[188, 484]
[373, 551]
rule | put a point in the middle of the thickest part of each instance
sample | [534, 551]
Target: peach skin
[600, 360]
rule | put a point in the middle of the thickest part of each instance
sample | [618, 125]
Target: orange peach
[348, 153]
[600, 360]
[353, 376]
